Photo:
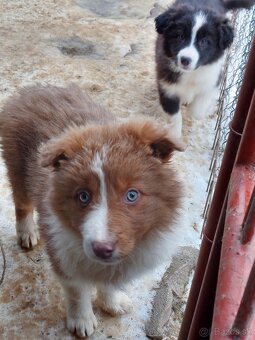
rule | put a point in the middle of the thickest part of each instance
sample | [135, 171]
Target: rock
[2, 263]
[156, 10]
[121, 9]
[132, 50]
[168, 300]
[77, 47]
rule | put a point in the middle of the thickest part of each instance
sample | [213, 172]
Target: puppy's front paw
[198, 113]
[116, 303]
[82, 326]
[27, 233]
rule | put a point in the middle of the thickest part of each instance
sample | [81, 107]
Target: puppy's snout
[186, 61]
[104, 250]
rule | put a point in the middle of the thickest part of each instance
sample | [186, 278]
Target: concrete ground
[107, 47]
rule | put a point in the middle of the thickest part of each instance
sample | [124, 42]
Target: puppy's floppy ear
[57, 151]
[226, 34]
[52, 155]
[156, 139]
[164, 20]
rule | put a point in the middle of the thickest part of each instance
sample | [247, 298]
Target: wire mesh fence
[235, 63]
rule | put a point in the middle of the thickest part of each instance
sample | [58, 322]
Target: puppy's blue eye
[132, 196]
[84, 197]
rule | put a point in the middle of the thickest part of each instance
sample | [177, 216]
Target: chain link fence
[236, 59]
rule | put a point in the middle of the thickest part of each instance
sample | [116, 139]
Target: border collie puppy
[192, 38]
[105, 192]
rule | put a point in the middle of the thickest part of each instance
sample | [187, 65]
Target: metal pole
[237, 258]
[237, 127]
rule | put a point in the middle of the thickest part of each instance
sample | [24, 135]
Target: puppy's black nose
[185, 61]
[104, 250]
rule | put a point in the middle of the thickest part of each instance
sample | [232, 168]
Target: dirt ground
[107, 47]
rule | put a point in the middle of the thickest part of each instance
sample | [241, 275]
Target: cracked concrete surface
[107, 47]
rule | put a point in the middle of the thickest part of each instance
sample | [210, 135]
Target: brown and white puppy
[105, 193]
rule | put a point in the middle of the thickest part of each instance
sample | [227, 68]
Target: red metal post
[202, 318]
[237, 126]
[244, 324]
[237, 258]
[249, 221]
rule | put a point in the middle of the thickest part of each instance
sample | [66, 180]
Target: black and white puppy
[192, 38]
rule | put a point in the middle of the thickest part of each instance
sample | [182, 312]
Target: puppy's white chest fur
[198, 82]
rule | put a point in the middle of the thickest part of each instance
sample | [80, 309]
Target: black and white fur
[192, 38]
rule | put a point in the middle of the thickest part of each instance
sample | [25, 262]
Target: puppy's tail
[235, 4]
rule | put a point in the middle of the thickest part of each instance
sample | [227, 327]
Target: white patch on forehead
[94, 227]
[191, 50]
[99, 159]
[200, 20]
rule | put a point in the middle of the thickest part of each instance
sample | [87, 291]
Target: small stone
[168, 301]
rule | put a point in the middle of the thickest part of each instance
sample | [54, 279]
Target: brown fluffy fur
[50, 137]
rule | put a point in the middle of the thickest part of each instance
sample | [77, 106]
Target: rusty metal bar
[201, 322]
[246, 309]
[249, 221]
[238, 123]
[237, 258]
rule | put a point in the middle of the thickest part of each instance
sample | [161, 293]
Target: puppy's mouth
[108, 262]
[105, 257]
[184, 68]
